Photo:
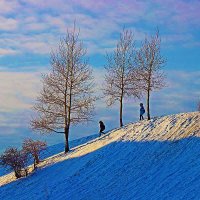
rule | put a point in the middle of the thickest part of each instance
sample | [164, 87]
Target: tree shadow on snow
[119, 170]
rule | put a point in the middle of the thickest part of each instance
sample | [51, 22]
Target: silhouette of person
[101, 127]
[142, 111]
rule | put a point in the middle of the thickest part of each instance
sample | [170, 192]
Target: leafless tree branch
[119, 82]
[150, 62]
[67, 96]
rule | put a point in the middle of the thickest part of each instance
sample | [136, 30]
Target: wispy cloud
[8, 24]
[181, 95]
[35, 27]
[18, 90]
[98, 21]
[4, 52]
[7, 7]
[177, 15]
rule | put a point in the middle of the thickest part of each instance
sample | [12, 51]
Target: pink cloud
[8, 6]
[8, 24]
[178, 13]
[36, 26]
[115, 10]
[4, 52]
[98, 21]
[12, 84]
[188, 13]
[61, 5]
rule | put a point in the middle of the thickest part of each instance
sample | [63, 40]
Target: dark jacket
[142, 110]
[102, 126]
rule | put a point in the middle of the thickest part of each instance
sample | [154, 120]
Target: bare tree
[67, 94]
[149, 62]
[119, 83]
[34, 148]
[15, 160]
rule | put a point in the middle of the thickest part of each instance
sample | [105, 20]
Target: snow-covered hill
[156, 159]
[55, 149]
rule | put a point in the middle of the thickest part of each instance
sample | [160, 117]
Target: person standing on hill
[142, 111]
[102, 127]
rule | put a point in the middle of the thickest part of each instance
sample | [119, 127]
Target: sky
[31, 29]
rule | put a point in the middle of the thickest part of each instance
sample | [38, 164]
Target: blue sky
[30, 29]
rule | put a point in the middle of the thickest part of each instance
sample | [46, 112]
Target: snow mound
[156, 159]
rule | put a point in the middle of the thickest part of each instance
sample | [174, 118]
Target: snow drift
[156, 159]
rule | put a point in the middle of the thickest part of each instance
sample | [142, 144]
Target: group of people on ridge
[102, 125]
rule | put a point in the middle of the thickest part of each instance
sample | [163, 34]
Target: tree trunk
[34, 164]
[26, 171]
[121, 110]
[37, 160]
[66, 139]
[148, 107]
[17, 174]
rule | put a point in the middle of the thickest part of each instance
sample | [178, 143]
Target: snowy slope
[156, 159]
[55, 149]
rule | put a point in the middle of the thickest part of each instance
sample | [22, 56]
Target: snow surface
[156, 159]
[55, 149]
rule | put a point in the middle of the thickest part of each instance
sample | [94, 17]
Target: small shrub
[34, 148]
[15, 160]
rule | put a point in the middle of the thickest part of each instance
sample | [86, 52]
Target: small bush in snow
[34, 148]
[15, 160]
